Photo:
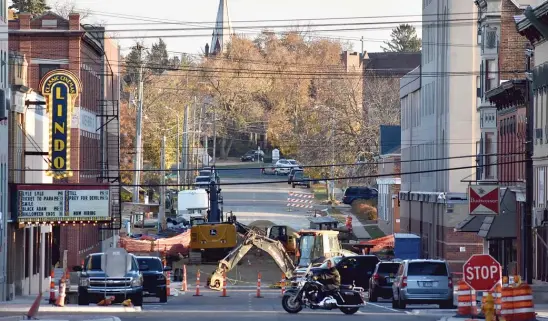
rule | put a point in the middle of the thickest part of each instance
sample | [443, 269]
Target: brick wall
[86, 63]
[512, 44]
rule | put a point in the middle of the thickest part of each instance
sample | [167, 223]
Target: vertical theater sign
[60, 88]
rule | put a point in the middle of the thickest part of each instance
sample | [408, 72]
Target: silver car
[423, 282]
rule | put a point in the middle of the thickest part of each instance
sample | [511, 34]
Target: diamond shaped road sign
[484, 199]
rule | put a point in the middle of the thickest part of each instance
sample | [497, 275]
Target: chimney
[24, 20]
[74, 21]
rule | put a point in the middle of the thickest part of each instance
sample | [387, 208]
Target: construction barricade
[466, 302]
[517, 300]
[300, 200]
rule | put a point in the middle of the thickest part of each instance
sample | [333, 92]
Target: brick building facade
[50, 42]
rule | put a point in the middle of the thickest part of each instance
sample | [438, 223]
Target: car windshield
[93, 263]
[427, 268]
[152, 264]
[205, 173]
[292, 162]
[202, 179]
[335, 260]
[388, 268]
[298, 174]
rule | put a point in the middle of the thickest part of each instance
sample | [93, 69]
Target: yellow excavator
[314, 246]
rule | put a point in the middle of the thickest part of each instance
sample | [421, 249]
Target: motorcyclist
[331, 279]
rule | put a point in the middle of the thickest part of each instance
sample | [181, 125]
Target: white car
[284, 166]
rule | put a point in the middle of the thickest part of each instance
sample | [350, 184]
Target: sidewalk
[65, 318]
[22, 305]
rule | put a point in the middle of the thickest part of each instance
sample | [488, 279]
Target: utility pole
[198, 158]
[527, 220]
[138, 134]
[194, 133]
[332, 159]
[185, 145]
[162, 213]
[178, 153]
[214, 136]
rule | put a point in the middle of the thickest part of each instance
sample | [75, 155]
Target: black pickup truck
[154, 279]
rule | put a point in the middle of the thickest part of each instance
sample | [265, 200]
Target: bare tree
[65, 7]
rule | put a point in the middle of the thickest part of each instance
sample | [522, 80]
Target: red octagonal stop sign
[482, 272]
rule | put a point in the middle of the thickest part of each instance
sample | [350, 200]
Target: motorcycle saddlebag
[350, 298]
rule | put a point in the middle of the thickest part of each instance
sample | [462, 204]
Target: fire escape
[109, 164]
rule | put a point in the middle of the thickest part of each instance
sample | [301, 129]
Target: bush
[364, 210]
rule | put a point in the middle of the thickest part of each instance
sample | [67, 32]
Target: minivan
[423, 282]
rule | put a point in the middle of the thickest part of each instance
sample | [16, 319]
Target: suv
[292, 173]
[252, 155]
[380, 285]
[423, 282]
[94, 285]
[300, 179]
[354, 193]
[154, 280]
[284, 166]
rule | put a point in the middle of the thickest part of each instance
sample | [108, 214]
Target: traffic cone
[184, 284]
[197, 284]
[52, 287]
[31, 314]
[168, 283]
[283, 284]
[224, 285]
[259, 285]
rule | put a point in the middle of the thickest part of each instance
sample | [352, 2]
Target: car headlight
[161, 277]
[84, 281]
[136, 281]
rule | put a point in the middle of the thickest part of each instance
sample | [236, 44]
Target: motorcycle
[348, 298]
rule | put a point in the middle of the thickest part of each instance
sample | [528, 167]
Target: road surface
[265, 201]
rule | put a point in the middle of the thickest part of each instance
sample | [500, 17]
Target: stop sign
[482, 272]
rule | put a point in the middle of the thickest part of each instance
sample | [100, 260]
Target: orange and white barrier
[283, 284]
[168, 283]
[466, 302]
[259, 285]
[62, 293]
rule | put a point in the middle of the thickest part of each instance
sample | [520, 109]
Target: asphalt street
[242, 304]
[265, 201]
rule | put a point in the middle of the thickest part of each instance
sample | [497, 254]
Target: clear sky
[123, 15]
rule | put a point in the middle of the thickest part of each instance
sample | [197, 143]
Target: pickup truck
[94, 285]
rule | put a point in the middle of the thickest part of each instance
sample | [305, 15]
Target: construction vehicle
[314, 246]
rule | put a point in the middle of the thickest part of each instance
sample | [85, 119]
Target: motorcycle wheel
[349, 310]
[291, 304]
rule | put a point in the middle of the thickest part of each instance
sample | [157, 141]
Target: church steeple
[223, 29]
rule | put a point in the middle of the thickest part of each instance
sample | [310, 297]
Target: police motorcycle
[348, 298]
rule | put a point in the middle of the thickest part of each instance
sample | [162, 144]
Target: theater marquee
[62, 204]
[60, 88]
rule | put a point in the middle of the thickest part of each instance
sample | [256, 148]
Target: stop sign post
[482, 272]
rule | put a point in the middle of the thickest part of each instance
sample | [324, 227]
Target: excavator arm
[274, 248]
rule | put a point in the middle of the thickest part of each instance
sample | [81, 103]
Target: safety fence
[300, 200]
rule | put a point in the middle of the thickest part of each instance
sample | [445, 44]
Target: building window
[489, 159]
[45, 68]
[490, 74]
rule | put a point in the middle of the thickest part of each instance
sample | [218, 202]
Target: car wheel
[163, 297]
[401, 303]
[394, 303]
[83, 299]
[372, 296]
[308, 186]
[137, 299]
[293, 185]
[446, 304]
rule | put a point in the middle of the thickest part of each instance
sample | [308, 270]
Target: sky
[119, 16]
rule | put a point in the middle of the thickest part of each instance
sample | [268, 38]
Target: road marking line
[383, 307]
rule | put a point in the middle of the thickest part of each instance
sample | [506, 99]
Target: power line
[312, 180]
[303, 166]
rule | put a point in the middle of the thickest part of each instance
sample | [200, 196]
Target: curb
[84, 309]
[19, 318]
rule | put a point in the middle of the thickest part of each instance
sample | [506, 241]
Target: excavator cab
[317, 245]
[279, 233]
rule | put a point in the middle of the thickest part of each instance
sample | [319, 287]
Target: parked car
[94, 284]
[354, 193]
[380, 285]
[154, 279]
[292, 174]
[270, 170]
[423, 282]
[202, 182]
[252, 155]
[299, 179]
[284, 166]
[355, 269]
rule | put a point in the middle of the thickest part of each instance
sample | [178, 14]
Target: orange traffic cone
[224, 285]
[184, 284]
[62, 293]
[259, 285]
[52, 287]
[31, 314]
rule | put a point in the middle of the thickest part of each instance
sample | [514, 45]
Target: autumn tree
[34, 7]
[403, 39]
[65, 7]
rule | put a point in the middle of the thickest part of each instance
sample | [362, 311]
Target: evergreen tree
[34, 7]
[133, 62]
[403, 39]
[158, 59]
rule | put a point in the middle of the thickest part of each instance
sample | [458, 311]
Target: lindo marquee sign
[60, 88]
